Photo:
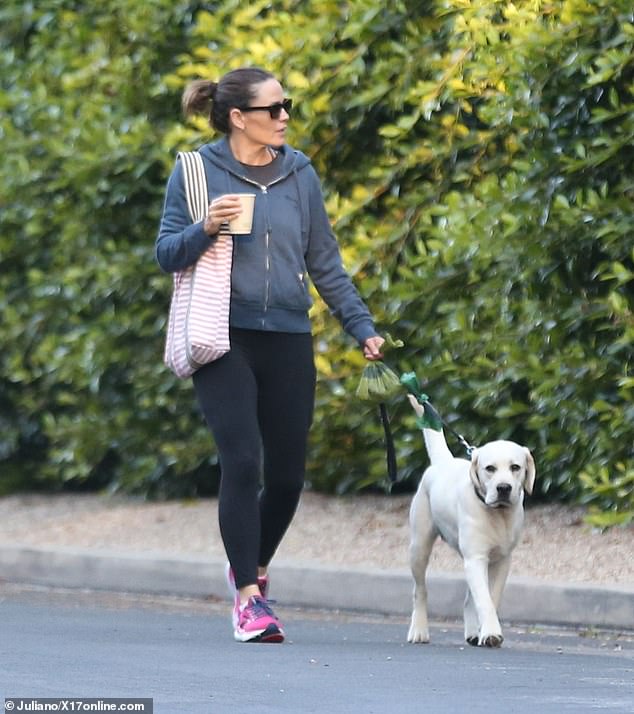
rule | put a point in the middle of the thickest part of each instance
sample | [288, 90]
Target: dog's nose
[504, 490]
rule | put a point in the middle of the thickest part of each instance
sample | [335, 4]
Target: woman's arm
[180, 242]
[326, 270]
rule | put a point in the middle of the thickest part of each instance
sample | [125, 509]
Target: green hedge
[84, 395]
[477, 161]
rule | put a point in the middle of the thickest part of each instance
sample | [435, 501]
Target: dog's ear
[529, 479]
[418, 408]
[473, 472]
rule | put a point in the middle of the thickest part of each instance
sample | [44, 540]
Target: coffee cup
[242, 224]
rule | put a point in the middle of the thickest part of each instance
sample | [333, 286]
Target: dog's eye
[516, 467]
[490, 469]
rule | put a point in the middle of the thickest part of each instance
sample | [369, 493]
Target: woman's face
[258, 126]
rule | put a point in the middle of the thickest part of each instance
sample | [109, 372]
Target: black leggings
[258, 402]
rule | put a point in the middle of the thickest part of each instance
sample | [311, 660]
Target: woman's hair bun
[198, 96]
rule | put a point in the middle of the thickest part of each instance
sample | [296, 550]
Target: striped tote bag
[198, 322]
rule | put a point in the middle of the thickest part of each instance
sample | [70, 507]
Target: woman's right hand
[221, 210]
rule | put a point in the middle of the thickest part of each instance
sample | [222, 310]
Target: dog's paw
[474, 641]
[418, 636]
[418, 626]
[491, 640]
[418, 629]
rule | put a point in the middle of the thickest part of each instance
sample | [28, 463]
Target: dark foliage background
[477, 161]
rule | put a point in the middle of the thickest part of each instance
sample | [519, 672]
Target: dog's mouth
[501, 503]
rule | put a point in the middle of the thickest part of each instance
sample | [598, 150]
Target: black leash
[390, 453]
[430, 419]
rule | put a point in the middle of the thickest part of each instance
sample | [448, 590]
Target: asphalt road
[181, 654]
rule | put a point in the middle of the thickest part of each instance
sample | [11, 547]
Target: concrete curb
[525, 600]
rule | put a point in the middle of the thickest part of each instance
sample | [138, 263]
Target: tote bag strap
[195, 184]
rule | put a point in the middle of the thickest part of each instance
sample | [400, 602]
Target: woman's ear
[236, 119]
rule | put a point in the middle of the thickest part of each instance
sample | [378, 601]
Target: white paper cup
[241, 225]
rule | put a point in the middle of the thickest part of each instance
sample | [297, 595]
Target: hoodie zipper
[267, 262]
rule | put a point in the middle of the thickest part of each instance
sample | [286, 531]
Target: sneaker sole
[271, 634]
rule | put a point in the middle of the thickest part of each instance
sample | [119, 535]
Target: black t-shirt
[264, 175]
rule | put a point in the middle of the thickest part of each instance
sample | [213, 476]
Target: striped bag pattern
[198, 323]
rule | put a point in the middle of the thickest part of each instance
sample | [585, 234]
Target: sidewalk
[138, 560]
[526, 600]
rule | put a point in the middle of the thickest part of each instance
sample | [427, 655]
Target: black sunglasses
[273, 109]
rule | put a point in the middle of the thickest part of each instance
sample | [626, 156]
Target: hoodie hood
[219, 153]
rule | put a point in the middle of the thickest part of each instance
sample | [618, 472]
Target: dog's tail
[436, 445]
[435, 441]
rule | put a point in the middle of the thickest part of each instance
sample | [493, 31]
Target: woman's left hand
[372, 348]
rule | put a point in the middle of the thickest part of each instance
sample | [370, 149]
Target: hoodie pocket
[289, 290]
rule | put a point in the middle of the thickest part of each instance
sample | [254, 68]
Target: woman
[258, 398]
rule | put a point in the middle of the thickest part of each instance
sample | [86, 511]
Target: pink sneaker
[257, 622]
[263, 584]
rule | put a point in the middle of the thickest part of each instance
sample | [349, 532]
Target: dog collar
[479, 495]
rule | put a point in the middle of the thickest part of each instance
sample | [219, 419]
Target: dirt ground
[357, 530]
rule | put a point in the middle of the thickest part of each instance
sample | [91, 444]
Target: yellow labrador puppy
[477, 508]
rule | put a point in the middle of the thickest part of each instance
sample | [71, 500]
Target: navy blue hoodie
[290, 241]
